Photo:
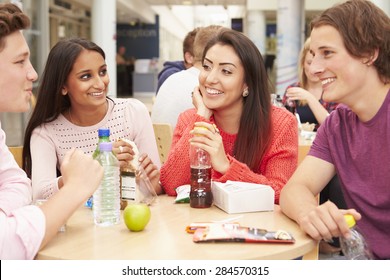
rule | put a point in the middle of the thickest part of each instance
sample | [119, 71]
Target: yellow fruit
[200, 127]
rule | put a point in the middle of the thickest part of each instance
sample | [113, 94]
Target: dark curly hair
[11, 19]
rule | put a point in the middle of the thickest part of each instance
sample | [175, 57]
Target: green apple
[136, 216]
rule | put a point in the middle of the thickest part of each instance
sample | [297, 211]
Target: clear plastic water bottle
[106, 199]
[104, 136]
[355, 247]
[200, 193]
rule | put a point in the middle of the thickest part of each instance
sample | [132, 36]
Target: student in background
[72, 104]
[174, 96]
[25, 228]
[122, 72]
[352, 59]
[171, 67]
[306, 95]
[255, 141]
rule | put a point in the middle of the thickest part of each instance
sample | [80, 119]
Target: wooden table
[165, 237]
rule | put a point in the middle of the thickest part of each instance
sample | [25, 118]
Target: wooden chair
[17, 153]
[163, 133]
[303, 148]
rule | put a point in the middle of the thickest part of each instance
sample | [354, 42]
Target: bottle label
[128, 186]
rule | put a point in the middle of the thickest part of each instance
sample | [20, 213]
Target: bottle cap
[105, 146]
[104, 132]
[350, 220]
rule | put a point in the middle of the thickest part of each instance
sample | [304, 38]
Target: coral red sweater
[278, 163]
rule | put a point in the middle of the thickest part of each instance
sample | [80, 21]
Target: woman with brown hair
[72, 105]
[247, 138]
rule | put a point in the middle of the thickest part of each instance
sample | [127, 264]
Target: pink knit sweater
[278, 163]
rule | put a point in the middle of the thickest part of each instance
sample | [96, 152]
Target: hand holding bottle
[151, 170]
[129, 156]
[125, 152]
[207, 137]
[325, 221]
[81, 173]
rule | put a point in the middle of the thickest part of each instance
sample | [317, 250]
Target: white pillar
[256, 29]
[383, 4]
[290, 36]
[103, 28]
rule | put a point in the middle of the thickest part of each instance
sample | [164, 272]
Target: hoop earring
[245, 93]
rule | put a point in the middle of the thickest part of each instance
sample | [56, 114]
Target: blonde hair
[301, 67]
[303, 81]
[202, 37]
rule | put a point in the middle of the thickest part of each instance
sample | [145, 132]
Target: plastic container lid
[350, 220]
[104, 132]
[105, 146]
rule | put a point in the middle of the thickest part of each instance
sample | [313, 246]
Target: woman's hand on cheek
[197, 100]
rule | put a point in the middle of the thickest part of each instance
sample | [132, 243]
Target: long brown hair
[254, 134]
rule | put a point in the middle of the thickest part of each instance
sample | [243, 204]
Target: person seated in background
[122, 72]
[170, 67]
[174, 96]
[248, 139]
[352, 59]
[25, 228]
[305, 96]
[72, 104]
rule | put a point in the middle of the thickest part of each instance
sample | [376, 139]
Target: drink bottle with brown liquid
[200, 193]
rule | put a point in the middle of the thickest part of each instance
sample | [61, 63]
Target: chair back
[163, 133]
[17, 153]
